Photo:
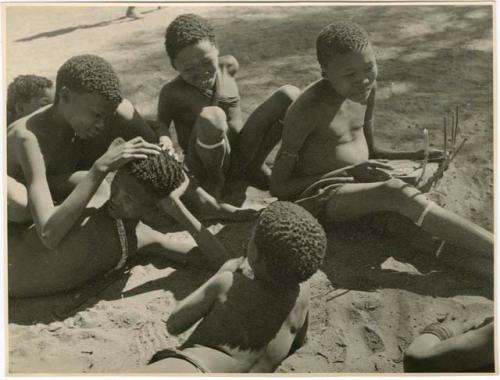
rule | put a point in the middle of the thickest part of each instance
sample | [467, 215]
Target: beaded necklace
[122, 235]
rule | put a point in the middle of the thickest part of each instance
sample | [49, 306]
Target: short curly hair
[292, 242]
[25, 87]
[187, 29]
[160, 173]
[340, 38]
[89, 73]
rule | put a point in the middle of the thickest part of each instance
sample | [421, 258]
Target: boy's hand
[370, 171]
[435, 155]
[120, 152]
[169, 203]
[231, 265]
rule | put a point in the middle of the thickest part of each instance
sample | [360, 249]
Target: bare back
[250, 328]
[59, 151]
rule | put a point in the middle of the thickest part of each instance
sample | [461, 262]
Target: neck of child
[329, 93]
[59, 126]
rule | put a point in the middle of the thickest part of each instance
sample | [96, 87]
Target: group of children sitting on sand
[84, 168]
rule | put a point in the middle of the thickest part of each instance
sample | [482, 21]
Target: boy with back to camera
[251, 325]
[203, 102]
[325, 162]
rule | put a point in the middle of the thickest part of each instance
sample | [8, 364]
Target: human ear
[64, 94]
[19, 108]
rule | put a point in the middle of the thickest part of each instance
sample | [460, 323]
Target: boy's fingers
[146, 151]
[380, 164]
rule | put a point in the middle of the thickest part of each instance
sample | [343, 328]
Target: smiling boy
[203, 103]
[328, 140]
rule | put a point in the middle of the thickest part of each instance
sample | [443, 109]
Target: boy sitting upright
[251, 325]
[204, 104]
[328, 140]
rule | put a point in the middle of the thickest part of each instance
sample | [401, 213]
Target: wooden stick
[452, 132]
[457, 131]
[458, 149]
[426, 156]
[445, 130]
[436, 176]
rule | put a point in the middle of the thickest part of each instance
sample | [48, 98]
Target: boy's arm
[198, 304]
[298, 125]
[165, 118]
[209, 245]
[52, 223]
[377, 152]
[129, 122]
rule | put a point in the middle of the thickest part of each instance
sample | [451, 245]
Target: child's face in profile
[197, 64]
[86, 112]
[130, 199]
[353, 74]
[43, 98]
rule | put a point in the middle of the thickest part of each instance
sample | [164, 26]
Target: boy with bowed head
[44, 145]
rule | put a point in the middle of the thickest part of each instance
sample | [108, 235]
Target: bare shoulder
[18, 132]
[309, 106]
[172, 89]
[230, 63]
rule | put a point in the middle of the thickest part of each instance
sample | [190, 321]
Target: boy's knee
[212, 125]
[288, 92]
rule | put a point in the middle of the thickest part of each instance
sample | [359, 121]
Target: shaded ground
[374, 292]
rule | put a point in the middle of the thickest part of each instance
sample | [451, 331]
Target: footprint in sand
[372, 339]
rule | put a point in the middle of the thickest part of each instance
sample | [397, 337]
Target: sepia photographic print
[256, 187]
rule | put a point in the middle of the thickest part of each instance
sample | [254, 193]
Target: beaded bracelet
[439, 330]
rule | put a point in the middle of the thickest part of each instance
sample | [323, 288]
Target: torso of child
[91, 248]
[251, 328]
[184, 102]
[60, 151]
[337, 137]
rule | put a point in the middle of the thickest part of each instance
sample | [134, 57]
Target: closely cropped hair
[185, 30]
[89, 73]
[24, 87]
[340, 38]
[292, 242]
[161, 173]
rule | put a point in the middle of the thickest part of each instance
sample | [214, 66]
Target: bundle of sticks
[450, 148]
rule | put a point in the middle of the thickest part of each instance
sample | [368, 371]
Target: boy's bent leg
[355, 200]
[209, 148]
[263, 128]
[17, 202]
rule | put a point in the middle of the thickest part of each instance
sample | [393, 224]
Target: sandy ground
[377, 288]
